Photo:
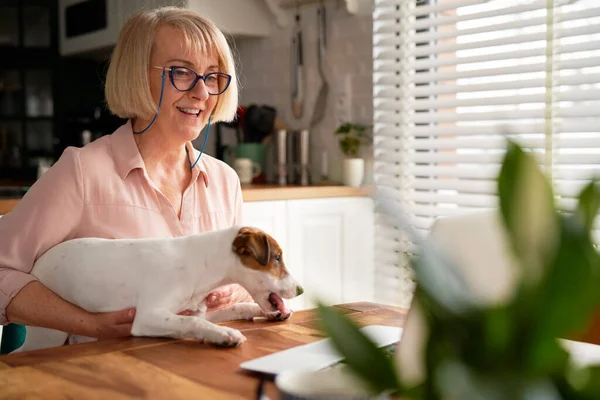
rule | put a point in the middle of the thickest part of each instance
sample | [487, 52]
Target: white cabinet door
[270, 216]
[358, 281]
[331, 242]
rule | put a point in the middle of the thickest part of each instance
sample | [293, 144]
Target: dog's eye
[278, 258]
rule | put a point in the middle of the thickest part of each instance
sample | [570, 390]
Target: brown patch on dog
[259, 251]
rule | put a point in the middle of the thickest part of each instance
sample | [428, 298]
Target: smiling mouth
[193, 112]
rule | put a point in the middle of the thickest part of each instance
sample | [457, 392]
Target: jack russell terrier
[165, 276]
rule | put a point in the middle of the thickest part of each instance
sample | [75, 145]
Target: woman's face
[182, 115]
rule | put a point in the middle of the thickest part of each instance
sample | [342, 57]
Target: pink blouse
[103, 190]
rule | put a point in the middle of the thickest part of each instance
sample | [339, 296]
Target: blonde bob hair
[127, 88]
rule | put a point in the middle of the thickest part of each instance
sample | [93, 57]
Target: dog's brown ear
[250, 242]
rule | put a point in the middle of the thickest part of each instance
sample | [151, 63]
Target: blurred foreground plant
[506, 351]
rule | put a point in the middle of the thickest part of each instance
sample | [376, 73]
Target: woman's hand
[226, 296]
[112, 324]
[37, 305]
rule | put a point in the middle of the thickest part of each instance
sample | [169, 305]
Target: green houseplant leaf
[580, 383]
[361, 354]
[528, 211]
[588, 205]
[569, 291]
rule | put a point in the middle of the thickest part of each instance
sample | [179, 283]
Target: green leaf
[569, 293]
[497, 324]
[581, 383]
[588, 205]
[528, 211]
[545, 357]
[353, 135]
[361, 355]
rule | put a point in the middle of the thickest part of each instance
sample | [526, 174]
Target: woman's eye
[212, 79]
[181, 73]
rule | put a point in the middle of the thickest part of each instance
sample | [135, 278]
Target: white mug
[246, 169]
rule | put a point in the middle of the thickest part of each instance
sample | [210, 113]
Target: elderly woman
[171, 75]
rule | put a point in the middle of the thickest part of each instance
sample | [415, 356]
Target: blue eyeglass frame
[198, 77]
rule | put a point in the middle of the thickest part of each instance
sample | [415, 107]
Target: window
[452, 79]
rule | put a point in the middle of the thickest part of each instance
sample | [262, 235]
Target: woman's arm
[47, 215]
[37, 305]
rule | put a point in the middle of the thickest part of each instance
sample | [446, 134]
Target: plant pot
[354, 172]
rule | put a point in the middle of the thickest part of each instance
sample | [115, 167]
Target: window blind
[453, 80]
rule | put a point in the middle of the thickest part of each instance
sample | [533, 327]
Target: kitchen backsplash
[265, 66]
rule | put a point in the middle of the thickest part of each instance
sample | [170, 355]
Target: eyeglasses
[184, 79]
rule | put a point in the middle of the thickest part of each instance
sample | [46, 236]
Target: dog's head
[263, 273]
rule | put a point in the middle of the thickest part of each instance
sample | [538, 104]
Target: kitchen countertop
[7, 204]
[253, 193]
[275, 192]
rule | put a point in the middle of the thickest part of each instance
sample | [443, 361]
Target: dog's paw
[248, 311]
[278, 315]
[225, 337]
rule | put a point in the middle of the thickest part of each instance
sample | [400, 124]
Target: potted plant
[351, 137]
[508, 350]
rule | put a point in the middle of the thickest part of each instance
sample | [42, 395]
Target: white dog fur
[165, 276]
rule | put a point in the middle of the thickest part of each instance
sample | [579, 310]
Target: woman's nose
[200, 91]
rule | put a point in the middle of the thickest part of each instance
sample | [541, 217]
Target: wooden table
[165, 368]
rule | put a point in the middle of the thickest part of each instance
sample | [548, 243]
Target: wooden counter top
[275, 192]
[165, 368]
[265, 193]
[7, 204]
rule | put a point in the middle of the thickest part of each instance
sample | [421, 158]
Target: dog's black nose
[299, 290]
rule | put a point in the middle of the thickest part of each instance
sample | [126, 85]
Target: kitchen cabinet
[92, 27]
[327, 244]
[28, 86]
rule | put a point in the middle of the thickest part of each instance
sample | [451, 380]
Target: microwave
[85, 17]
[87, 25]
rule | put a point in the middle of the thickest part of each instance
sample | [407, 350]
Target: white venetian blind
[452, 80]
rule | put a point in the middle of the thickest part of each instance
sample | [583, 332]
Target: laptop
[317, 355]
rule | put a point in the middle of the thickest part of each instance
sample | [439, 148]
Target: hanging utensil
[321, 102]
[298, 80]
